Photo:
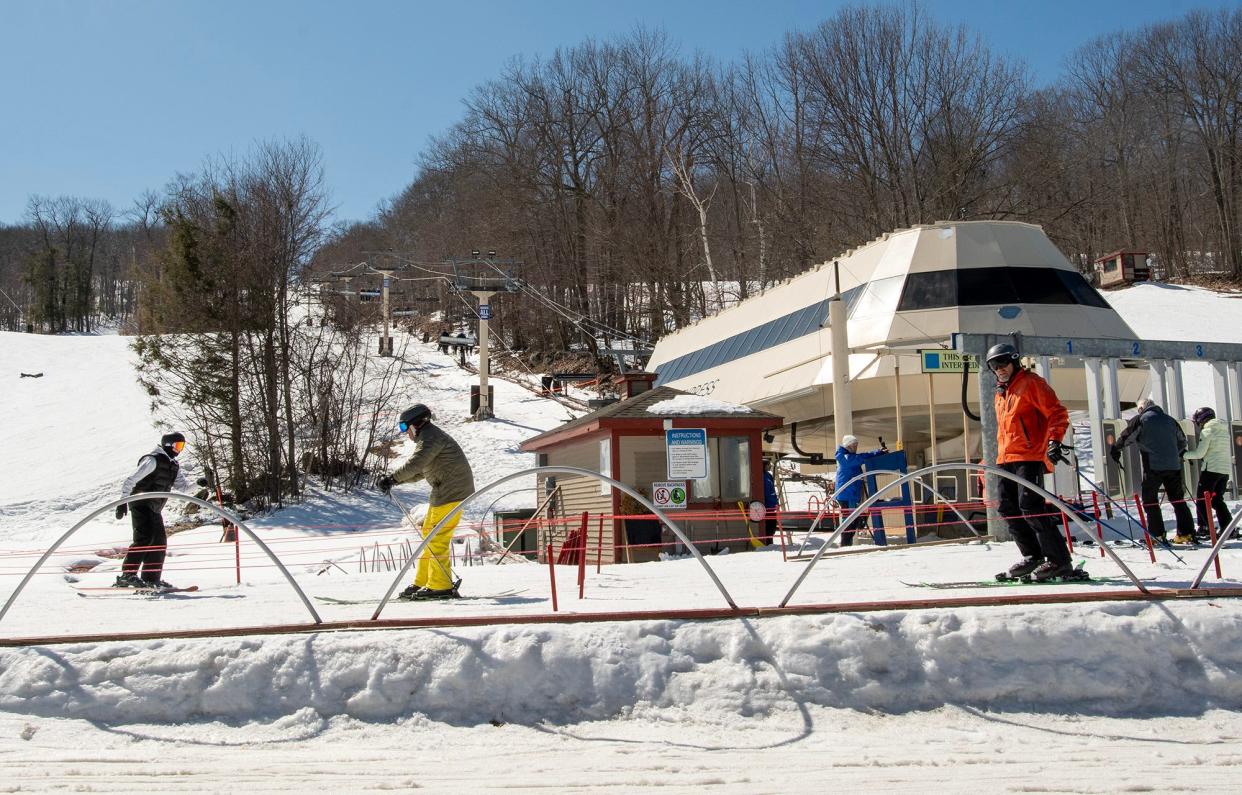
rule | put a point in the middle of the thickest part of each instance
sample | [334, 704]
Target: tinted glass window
[977, 286]
[928, 290]
[1039, 286]
[1081, 289]
[982, 286]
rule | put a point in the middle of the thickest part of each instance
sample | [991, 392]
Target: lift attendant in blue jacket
[849, 466]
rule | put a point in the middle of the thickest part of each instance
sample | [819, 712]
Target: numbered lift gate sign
[687, 453]
[669, 494]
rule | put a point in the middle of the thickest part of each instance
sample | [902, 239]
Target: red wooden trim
[700, 614]
[640, 425]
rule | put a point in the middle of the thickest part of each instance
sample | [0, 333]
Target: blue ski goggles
[404, 426]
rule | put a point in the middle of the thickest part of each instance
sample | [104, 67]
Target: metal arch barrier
[555, 470]
[1047, 495]
[861, 475]
[1216, 550]
[221, 512]
[490, 507]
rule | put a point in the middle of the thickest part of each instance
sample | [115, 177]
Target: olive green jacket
[439, 459]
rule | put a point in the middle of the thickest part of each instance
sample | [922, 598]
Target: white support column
[1159, 381]
[1176, 406]
[897, 399]
[1220, 391]
[1111, 394]
[1095, 412]
[1235, 390]
[842, 394]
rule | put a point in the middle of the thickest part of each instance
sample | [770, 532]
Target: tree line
[641, 188]
[626, 176]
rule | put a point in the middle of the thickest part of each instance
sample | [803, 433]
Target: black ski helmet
[1002, 352]
[1201, 416]
[169, 439]
[414, 416]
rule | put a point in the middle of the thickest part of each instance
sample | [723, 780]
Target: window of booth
[728, 470]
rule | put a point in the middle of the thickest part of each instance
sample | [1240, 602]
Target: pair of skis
[335, 601]
[119, 591]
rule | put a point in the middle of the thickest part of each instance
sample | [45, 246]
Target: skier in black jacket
[1162, 443]
[158, 470]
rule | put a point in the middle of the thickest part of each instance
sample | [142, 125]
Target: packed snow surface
[1089, 697]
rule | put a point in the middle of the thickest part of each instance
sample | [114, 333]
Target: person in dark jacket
[1162, 443]
[439, 460]
[1030, 423]
[158, 470]
[849, 494]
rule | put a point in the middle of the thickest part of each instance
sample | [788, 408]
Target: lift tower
[483, 276]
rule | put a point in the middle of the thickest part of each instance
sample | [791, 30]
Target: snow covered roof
[696, 404]
[649, 410]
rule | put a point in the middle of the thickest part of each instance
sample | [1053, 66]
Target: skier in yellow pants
[440, 460]
[432, 575]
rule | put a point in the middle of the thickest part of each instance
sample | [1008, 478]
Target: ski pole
[1146, 533]
[409, 517]
[1096, 488]
[1099, 531]
[1130, 518]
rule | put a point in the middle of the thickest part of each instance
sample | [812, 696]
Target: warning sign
[687, 452]
[669, 494]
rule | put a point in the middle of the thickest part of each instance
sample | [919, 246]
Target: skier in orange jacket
[1030, 422]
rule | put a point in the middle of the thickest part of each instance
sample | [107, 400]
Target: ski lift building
[906, 291]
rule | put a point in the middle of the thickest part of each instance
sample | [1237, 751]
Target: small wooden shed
[1122, 267]
[625, 440]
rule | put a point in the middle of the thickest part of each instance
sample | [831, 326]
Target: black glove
[121, 510]
[1054, 452]
[385, 483]
[1114, 453]
[202, 482]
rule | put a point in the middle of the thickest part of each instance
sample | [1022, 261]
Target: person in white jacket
[1213, 449]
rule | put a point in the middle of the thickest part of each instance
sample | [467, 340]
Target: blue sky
[111, 98]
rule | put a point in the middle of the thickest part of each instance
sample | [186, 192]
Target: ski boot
[1058, 571]
[408, 594]
[1020, 570]
[129, 581]
[1184, 540]
[428, 594]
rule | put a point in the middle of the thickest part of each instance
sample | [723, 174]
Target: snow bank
[1126, 662]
